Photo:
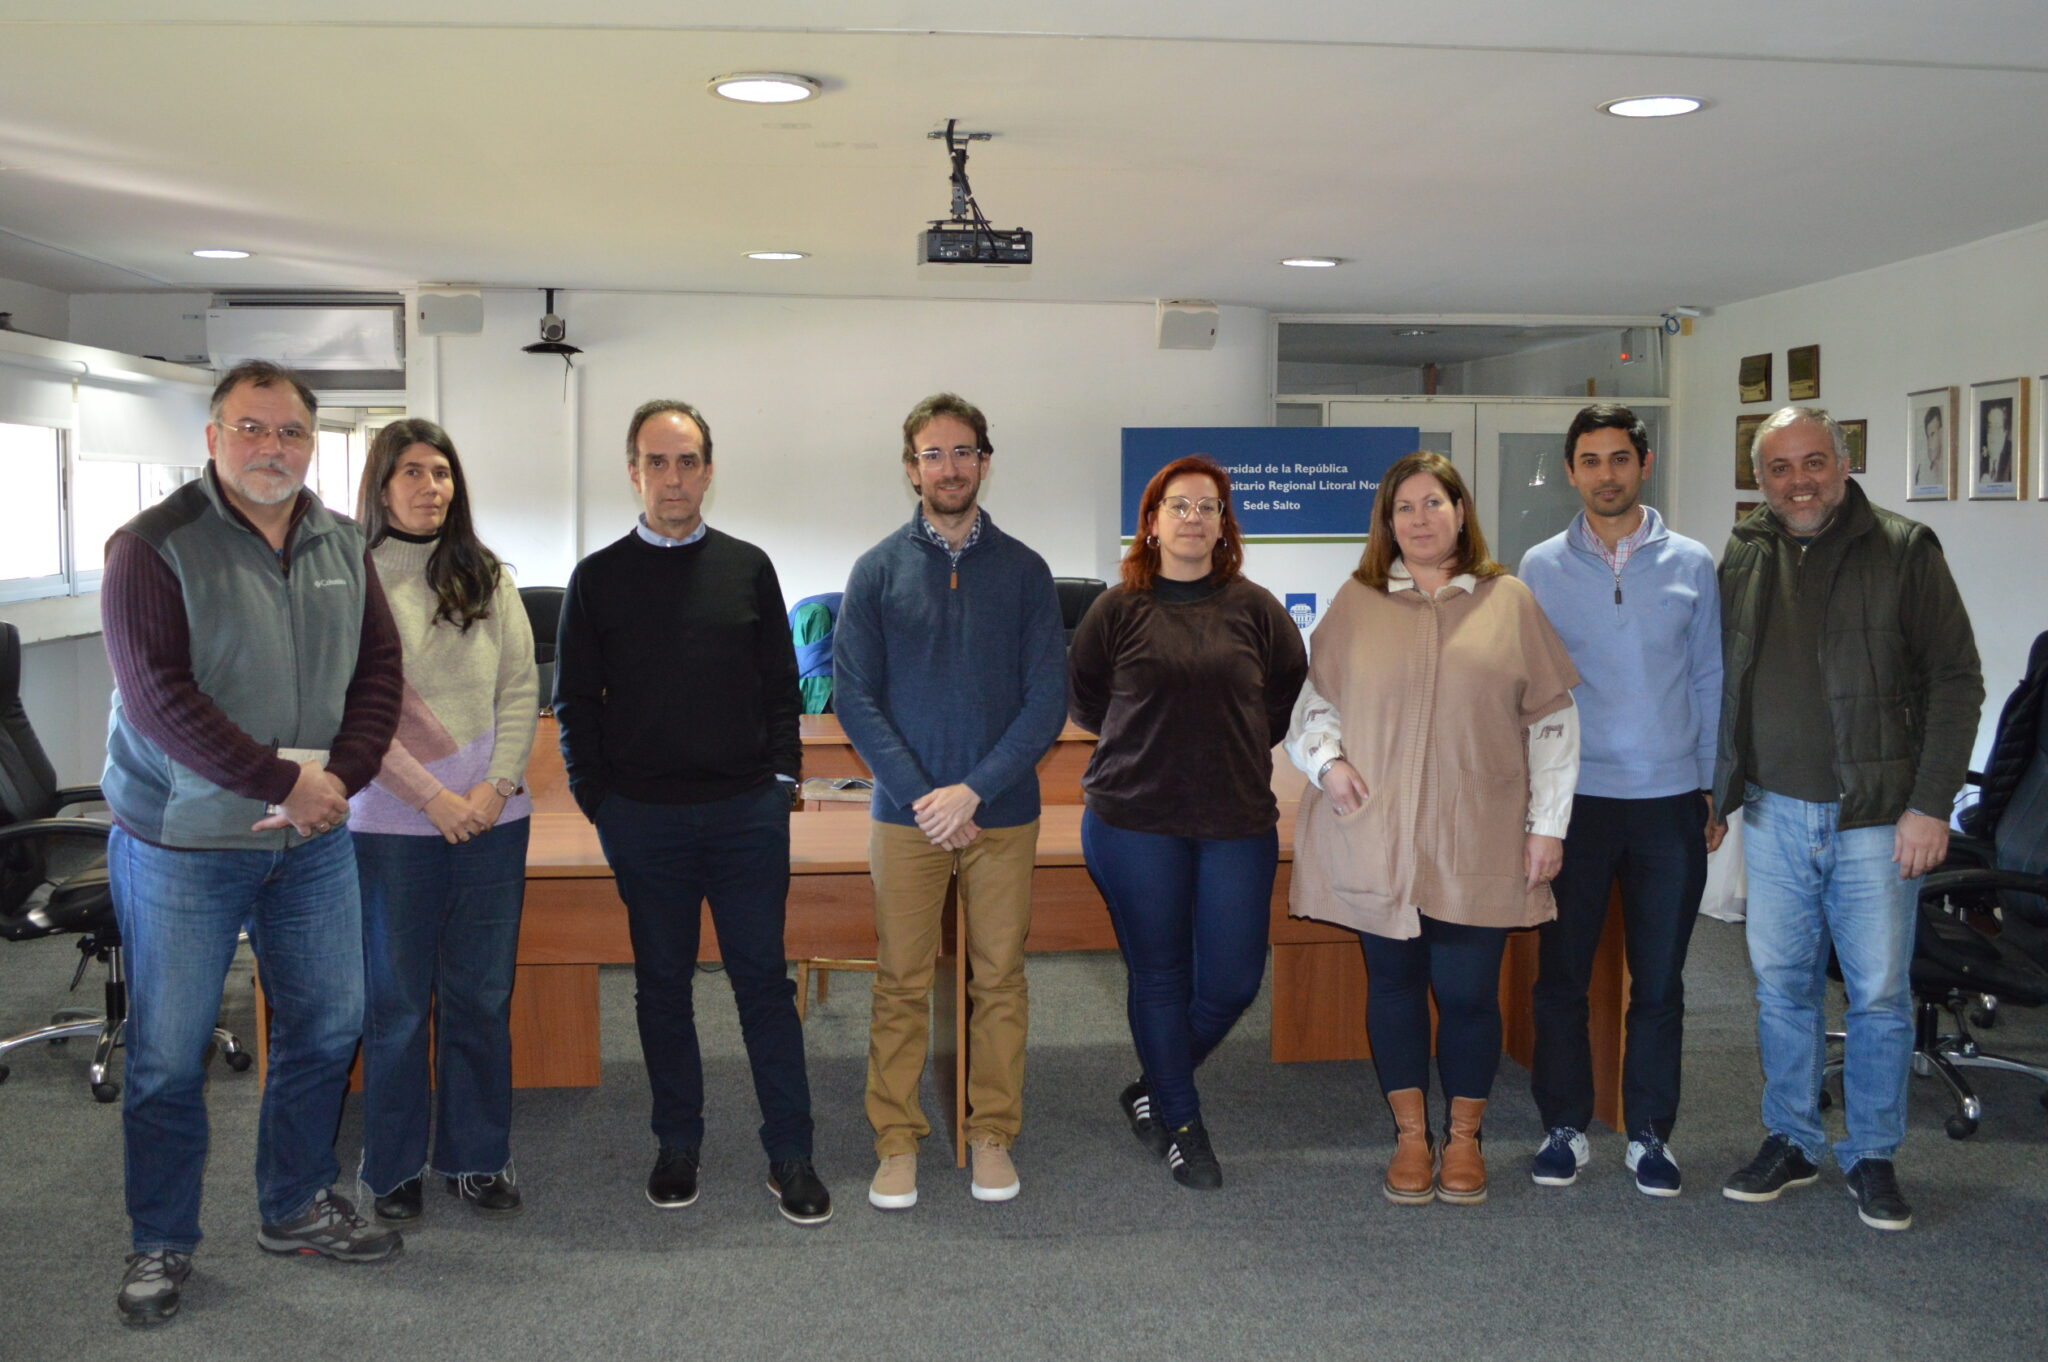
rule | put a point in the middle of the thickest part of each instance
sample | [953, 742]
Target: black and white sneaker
[1136, 1101]
[1878, 1202]
[1778, 1164]
[1192, 1160]
[151, 1285]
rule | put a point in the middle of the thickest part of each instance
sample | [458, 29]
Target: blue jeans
[180, 913]
[1810, 883]
[669, 859]
[1459, 966]
[1191, 919]
[440, 933]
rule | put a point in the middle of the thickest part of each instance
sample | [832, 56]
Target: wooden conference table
[574, 923]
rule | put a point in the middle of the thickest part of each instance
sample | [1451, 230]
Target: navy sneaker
[1559, 1158]
[1655, 1169]
[1778, 1164]
[1876, 1189]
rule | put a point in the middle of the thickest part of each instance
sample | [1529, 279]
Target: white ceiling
[1449, 152]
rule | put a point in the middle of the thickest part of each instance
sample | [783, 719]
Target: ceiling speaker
[452, 313]
[1187, 324]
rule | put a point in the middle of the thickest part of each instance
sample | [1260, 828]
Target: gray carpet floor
[1103, 1256]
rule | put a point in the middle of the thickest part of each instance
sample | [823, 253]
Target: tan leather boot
[1411, 1173]
[1461, 1178]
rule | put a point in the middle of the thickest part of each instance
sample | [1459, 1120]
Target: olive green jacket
[1897, 657]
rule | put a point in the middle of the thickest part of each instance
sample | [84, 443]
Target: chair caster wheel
[240, 1061]
[1983, 1018]
[106, 1092]
[1825, 1100]
[1960, 1127]
[4, 1071]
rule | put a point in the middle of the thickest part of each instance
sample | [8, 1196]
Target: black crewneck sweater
[675, 677]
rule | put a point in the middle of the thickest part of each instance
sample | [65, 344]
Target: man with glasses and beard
[950, 680]
[257, 675]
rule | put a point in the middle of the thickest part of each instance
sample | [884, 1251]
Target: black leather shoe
[673, 1183]
[401, 1206]
[488, 1193]
[799, 1192]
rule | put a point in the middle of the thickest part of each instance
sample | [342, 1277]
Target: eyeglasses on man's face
[932, 458]
[1180, 508]
[293, 437]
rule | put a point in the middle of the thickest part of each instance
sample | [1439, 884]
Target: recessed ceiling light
[1652, 106]
[222, 253]
[1414, 331]
[778, 255]
[764, 87]
[1312, 262]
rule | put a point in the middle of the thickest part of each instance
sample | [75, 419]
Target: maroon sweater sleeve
[149, 643]
[369, 714]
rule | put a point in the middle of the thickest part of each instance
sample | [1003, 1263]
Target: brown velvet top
[1189, 698]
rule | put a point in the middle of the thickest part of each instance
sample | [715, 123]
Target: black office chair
[53, 880]
[1959, 967]
[1076, 595]
[544, 613]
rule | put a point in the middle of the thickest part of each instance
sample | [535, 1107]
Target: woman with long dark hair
[1188, 672]
[440, 838]
[1438, 731]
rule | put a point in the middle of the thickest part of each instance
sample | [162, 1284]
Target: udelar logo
[1302, 606]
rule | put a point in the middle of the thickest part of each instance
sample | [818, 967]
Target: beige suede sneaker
[995, 1177]
[895, 1184]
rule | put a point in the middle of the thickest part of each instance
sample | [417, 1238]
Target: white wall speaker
[458, 312]
[1187, 324]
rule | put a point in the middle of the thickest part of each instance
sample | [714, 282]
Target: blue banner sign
[1290, 484]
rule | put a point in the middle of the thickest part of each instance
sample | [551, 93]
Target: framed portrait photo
[1743, 510]
[1753, 382]
[1995, 461]
[1856, 435]
[1745, 436]
[2041, 451]
[1802, 373]
[1931, 445]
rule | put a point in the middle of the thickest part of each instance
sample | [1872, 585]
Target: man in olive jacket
[1850, 696]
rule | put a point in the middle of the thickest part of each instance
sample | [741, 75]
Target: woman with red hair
[1189, 674]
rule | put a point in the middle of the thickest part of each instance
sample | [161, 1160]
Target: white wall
[1562, 368]
[40, 311]
[1971, 315]
[806, 398]
[66, 685]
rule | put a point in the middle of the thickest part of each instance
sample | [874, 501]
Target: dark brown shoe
[1411, 1173]
[1461, 1176]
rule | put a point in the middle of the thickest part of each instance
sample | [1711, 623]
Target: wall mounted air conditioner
[353, 332]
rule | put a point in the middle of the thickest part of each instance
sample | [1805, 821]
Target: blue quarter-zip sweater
[1648, 648]
[938, 683]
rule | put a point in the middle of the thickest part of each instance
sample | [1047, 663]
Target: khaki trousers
[910, 898]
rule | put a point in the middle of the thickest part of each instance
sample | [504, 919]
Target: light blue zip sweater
[1648, 648]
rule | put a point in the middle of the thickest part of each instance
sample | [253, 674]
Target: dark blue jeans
[440, 933]
[181, 913]
[1657, 849]
[1190, 918]
[1460, 965]
[670, 858]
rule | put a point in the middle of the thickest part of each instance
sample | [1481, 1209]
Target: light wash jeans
[1810, 884]
[180, 914]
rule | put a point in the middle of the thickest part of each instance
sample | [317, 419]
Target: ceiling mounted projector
[967, 238]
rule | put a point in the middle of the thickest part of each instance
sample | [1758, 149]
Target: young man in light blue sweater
[950, 679]
[1638, 609]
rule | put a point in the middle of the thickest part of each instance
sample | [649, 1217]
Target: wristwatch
[505, 788]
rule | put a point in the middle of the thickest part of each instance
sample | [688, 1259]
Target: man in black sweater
[675, 690]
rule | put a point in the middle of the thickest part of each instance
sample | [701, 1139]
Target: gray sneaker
[331, 1228]
[150, 1286]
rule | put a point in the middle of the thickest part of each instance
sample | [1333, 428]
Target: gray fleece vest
[273, 645]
